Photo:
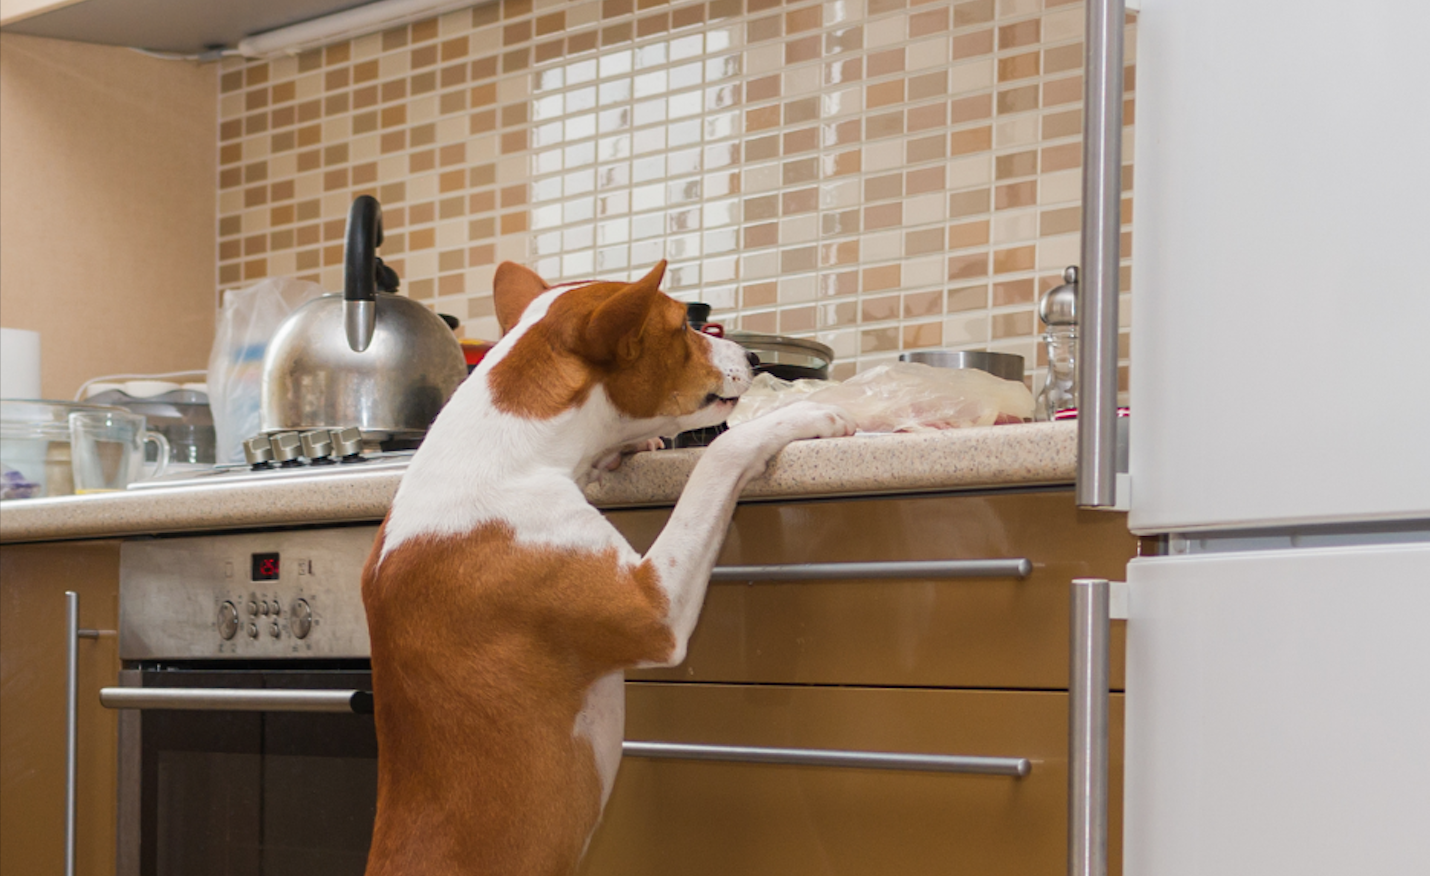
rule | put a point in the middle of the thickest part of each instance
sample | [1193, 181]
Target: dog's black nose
[752, 359]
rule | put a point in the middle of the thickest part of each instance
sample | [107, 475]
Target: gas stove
[388, 460]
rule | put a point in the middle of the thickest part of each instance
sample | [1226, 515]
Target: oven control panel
[244, 596]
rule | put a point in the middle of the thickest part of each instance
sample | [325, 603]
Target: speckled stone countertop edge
[1034, 454]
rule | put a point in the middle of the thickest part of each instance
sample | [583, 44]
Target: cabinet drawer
[961, 632]
[696, 818]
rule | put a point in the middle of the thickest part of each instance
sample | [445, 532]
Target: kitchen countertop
[959, 459]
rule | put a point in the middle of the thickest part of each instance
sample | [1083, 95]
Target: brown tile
[796, 201]
[971, 45]
[335, 179]
[843, 222]
[884, 125]
[516, 33]
[1016, 164]
[803, 140]
[365, 123]
[613, 8]
[764, 88]
[514, 196]
[800, 20]
[843, 133]
[334, 229]
[884, 215]
[721, 9]
[393, 141]
[483, 68]
[763, 148]
[653, 24]
[310, 135]
[761, 29]
[885, 63]
[1017, 100]
[255, 197]
[482, 229]
[482, 254]
[923, 24]
[230, 225]
[484, 95]
[928, 85]
[843, 252]
[392, 116]
[452, 181]
[230, 153]
[481, 202]
[967, 298]
[420, 214]
[1022, 33]
[803, 110]
[968, 267]
[1013, 325]
[423, 289]
[232, 81]
[838, 72]
[514, 114]
[285, 92]
[761, 208]
[394, 39]
[879, 309]
[923, 118]
[1129, 113]
[482, 175]
[229, 250]
[337, 78]
[284, 117]
[309, 260]
[453, 102]
[759, 294]
[843, 163]
[230, 130]
[282, 190]
[618, 33]
[515, 9]
[230, 274]
[423, 56]
[879, 7]
[798, 319]
[451, 284]
[513, 223]
[1013, 259]
[761, 235]
[1023, 194]
[1010, 292]
[1018, 67]
[1062, 157]
[256, 74]
[882, 277]
[917, 304]
[421, 162]
[879, 340]
[922, 149]
[451, 260]
[281, 239]
[423, 83]
[686, 16]
[256, 269]
[311, 159]
[392, 193]
[976, 12]
[482, 122]
[420, 239]
[256, 99]
[968, 234]
[923, 242]
[1063, 124]
[336, 104]
[1061, 91]
[924, 180]
[927, 334]
[310, 111]
[1061, 58]
[801, 50]
[395, 89]
[971, 140]
[764, 323]
[255, 124]
[255, 172]
[880, 188]
[458, 47]
[310, 60]
[884, 94]
[549, 50]
[799, 171]
[970, 109]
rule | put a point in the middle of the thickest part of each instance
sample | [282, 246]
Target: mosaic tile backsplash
[880, 175]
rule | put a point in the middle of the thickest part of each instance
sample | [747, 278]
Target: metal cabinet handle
[1101, 237]
[876, 760]
[1087, 728]
[236, 699]
[73, 634]
[1010, 568]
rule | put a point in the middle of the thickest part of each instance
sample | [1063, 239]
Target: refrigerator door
[1278, 713]
[1280, 280]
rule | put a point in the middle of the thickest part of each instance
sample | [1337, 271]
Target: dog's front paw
[807, 419]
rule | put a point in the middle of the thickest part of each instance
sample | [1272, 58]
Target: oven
[247, 745]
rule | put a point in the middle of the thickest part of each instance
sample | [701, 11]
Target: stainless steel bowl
[1008, 366]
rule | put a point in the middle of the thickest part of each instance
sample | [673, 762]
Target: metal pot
[786, 358]
[366, 358]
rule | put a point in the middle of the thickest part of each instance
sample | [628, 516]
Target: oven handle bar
[236, 699]
[360, 701]
[1019, 567]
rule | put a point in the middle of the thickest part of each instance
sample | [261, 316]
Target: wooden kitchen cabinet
[33, 581]
[973, 632]
[699, 818]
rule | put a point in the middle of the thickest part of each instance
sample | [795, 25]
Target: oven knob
[277, 609]
[300, 619]
[227, 620]
[273, 630]
[263, 608]
[253, 631]
[252, 609]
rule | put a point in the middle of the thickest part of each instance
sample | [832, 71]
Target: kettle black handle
[364, 236]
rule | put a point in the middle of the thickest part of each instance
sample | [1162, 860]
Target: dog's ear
[618, 323]
[513, 289]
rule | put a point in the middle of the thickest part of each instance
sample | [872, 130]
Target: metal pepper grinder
[1058, 310]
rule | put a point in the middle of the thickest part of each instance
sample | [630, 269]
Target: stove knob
[317, 446]
[252, 609]
[228, 620]
[300, 619]
[287, 447]
[347, 444]
[273, 630]
[259, 452]
[263, 608]
[252, 631]
[277, 609]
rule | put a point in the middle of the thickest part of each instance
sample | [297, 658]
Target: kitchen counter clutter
[958, 459]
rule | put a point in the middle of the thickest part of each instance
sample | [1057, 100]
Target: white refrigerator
[1278, 655]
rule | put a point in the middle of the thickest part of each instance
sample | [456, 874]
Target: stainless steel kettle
[366, 358]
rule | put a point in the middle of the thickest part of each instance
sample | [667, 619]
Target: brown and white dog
[503, 608]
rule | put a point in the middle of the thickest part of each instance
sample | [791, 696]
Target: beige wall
[107, 203]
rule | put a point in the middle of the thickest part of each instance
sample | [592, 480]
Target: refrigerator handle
[1101, 232]
[1087, 727]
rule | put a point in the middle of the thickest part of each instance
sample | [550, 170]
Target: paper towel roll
[19, 363]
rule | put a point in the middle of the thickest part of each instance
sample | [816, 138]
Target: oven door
[245, 772]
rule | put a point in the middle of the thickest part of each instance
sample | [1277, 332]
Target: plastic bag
[903, 397]
[247, 322]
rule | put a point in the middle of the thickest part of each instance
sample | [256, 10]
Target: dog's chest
[602, 722]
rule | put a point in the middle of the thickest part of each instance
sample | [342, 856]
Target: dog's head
[630, 339]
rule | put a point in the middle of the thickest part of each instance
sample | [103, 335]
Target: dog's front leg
[684, 553]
